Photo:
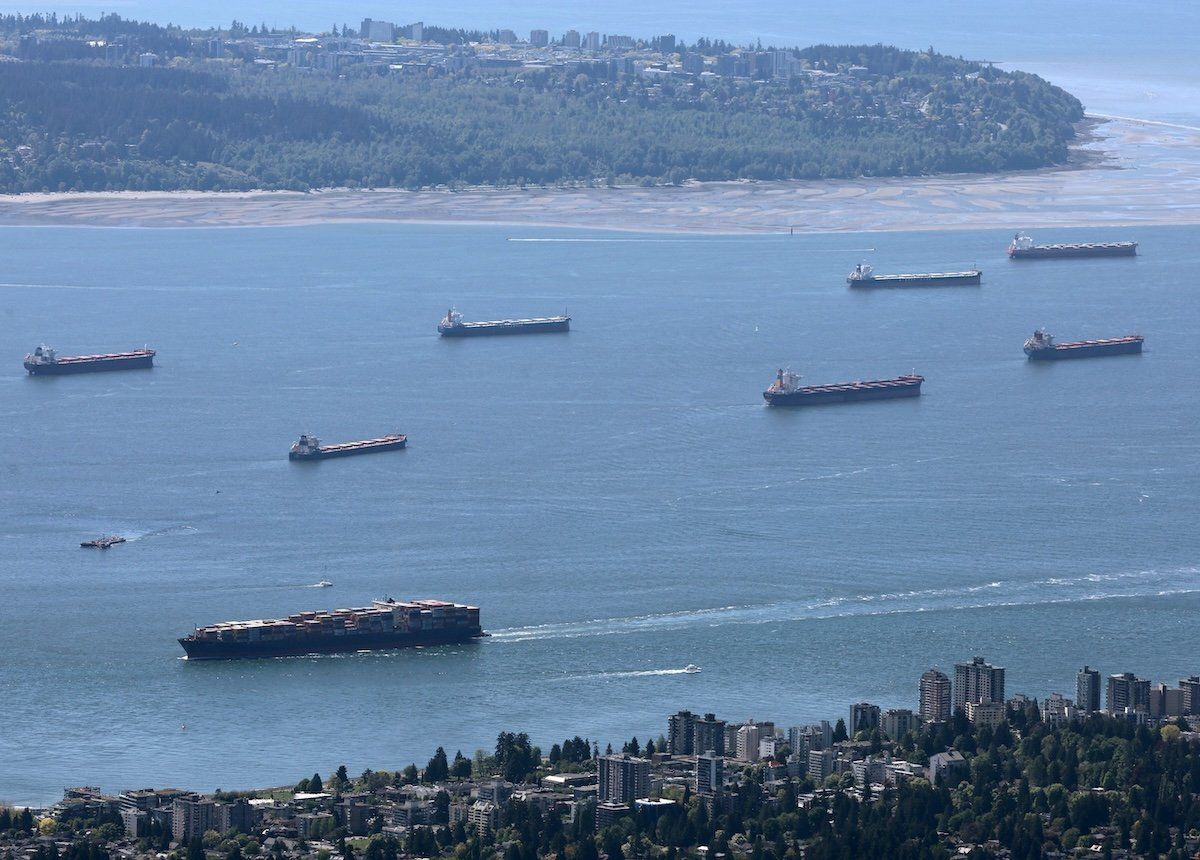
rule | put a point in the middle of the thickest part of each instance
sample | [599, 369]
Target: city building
[863, 718]
[506, 37]
[418, 31]
[948, 768]
[986, 713]
[377, 31]
[804, 739]
[570, 39]
[1191, 695]
[539, 38]
[592, 42]
[768, 747]
[1087, 690]
[976, 681]
[748, 737]
[820, 764]
[710, 774]
[897, 722]
[665, 44]
[623, 778]
[192, 817]
[1057, 710]
[236, 815]
[1166, 701]
[934, 706]
[709, 734]
[1127, 691]
[608, 813]
[483, 816]
[681, 733]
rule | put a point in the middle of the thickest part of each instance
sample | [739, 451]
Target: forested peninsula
[115, 105]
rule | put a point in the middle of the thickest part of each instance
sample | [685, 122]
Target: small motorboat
[324, 583]
[691, 668]
[104, 542]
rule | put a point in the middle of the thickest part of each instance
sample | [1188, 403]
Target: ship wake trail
[632, 673]
[1046, 591]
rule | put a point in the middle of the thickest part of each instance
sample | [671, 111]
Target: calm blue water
[1118, 58]
[618, 500]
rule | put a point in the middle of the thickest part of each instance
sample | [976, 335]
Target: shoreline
[1122, 173]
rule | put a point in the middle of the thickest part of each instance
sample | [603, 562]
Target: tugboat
[309, 447]
[453, 325]
[786, 390]
[1022, 248]
[45, 361]
[1041, 347]
[104, 542]
[863, 275]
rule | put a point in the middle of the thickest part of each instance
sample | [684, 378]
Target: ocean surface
[618, 500]
[1120, 59]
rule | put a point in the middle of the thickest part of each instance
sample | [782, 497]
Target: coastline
[1123, 172]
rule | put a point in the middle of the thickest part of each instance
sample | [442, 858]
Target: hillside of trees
[79, 125]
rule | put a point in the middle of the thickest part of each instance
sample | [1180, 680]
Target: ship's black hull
[501, 328]
[61, 368]
[325, 454]
[850, 393]
[894, 281]
[1072, 251]
[346, 644]
[1064, 351]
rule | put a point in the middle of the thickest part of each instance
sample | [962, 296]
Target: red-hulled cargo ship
[45, 361]
[1042, 347]
[310, 448]
[786, 390]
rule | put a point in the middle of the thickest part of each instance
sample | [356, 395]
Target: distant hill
[86, 106]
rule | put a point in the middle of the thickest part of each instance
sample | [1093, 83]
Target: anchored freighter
[309, 447]
[385, 624]
[786, 390]
[864, 276]
[1042, 347]
[453, 325]
[45, 361]
[1022, 248]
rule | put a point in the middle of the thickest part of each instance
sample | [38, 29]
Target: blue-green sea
[618, 500]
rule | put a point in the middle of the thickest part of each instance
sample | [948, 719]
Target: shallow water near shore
[618, 499]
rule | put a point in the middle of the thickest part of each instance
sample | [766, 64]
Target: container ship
[310, 448]
[453, 325]
[786, 390]
[45, 361]
[385, 624]
[1041, 347]
[864, 276]
[1022, 248]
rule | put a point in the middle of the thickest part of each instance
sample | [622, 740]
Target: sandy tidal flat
[1125, 172]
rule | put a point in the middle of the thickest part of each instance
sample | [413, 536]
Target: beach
[1123, 172]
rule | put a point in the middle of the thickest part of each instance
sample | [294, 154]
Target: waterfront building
[748, 737]
[768, 746]
[192, 817]
[709, 734]
[237, 815]
[897, 722]
[1087, 690]
[1166, 701]
[710, 774]
[934, 705]
[1057, 710]
[681, 733]
[986, 713]
[1127, 691]
[863, 718]
[804, 739]
[1191, 695]
[976, 681]
[623, 778]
